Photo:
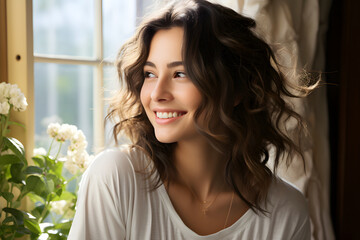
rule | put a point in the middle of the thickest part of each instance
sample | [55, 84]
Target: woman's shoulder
[123, 160]
[285, 199]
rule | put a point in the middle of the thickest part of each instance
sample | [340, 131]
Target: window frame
[98, 63]
[20, 67]
[19, 31]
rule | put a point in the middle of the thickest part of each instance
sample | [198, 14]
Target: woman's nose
[162, 90]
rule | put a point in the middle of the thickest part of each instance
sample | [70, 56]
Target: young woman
[203, 107]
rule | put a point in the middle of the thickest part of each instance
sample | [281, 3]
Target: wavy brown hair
[242, 87]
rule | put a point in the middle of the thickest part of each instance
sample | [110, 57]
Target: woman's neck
[200, 167]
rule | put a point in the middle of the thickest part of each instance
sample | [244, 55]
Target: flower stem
[13, 236]
[4, 127]
[58, 150]
[11, 190]
[4, 130]
[48, 153]
[43, 212]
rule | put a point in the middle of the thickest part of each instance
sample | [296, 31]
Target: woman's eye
[180, 75]
[149, 75]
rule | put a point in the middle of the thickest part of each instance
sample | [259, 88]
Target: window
[75, 43]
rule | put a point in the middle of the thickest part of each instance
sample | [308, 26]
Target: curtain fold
[296, 31]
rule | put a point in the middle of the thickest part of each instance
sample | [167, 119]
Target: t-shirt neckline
[235, 227]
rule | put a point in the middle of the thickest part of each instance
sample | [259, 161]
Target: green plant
[46, 183]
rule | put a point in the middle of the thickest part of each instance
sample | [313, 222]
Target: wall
[343, 52]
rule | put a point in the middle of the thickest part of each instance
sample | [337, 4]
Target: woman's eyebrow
[169, 65]
[175, 64]
[150, 64]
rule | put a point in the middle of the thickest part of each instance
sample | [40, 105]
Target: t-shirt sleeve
[290, 213]
[101, 209]
[303, 232]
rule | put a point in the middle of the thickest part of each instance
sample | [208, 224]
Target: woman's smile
[167, 117]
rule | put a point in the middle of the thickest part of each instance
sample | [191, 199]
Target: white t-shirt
[115, 203]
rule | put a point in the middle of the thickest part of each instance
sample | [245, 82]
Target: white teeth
[168, 114]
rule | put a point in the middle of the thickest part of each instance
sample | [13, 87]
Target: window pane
[64, 27]
[111, 86]
[64, 94]
[119, 20]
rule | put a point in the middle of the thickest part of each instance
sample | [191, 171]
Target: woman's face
[169, 97]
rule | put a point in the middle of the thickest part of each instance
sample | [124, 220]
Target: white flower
[4, 91]
[66, 132]
[19, 102]
[60, 207]
[77, 161]
[71, 166]
[4, 108]
[78, 142]
[53, 129]
[39, 151]
[11, 94]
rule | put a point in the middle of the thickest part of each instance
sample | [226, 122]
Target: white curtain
[296, 31]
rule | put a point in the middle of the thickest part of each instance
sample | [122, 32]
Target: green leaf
[49, 161]
[10, 219]
[32, 225]
[33, 170]
[4, 184]
[58, 182]
[17, 124]
[21, 231]
[62, 229]
[39, 161]
[35, 198]
[38, 210]
[57, 168]
[9, 159]
[64, 225]
[17, 174]
[19, 216]
[65, 195]
[50, 186]
[56, 236]
[35, 184]
[8, 196]
[59, 192]
[16, 204]
[17, 148]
